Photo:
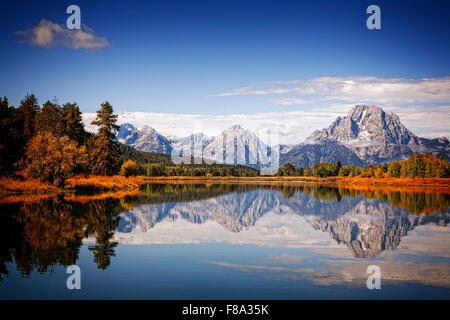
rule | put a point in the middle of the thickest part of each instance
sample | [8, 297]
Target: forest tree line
[50, 143]
[416, 166]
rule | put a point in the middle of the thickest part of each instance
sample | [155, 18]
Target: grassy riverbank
[442, 182]
[120, 183]
[81, 183]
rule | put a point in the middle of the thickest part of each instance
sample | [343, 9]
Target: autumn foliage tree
[326, 169]
[53, 159]
[424, 166]
[130, 168]
[287, 170]
[50, 142]
[349, 171]
[395, 169]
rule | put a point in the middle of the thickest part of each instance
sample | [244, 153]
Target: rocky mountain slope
[234, 145]
[147, 139]
[367, 135]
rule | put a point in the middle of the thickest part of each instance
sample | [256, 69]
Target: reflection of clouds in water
[366, 227]
[362, 218]
[427, 263]
[271, 230]
[427, 240]
[334, 239]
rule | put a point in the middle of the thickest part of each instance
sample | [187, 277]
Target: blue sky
[209, 57]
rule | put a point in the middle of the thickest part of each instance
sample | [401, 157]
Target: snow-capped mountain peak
[366, 135]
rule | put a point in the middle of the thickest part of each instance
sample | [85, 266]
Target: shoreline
[418, 182]
[9, 186]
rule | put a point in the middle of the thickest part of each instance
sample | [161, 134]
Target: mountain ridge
[366, 135]
[376, 136]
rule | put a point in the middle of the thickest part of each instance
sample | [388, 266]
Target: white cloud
[357, 89]
[428, 122]
[406, 97]
[49, 34]
[361, 143]
[253, 91]
[289, 101]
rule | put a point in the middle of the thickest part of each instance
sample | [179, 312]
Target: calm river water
[228, 241]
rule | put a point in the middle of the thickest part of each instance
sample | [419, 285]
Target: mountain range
[367, 135]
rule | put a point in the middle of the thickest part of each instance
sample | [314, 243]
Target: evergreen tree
[339, 166]
[50, 119]
[102, 219]
[105, 156]
[73, 123]
[12, 143]
[27, 112]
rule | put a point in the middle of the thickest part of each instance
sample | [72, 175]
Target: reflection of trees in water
[366, 227]
[412, 199]
[10, 235]
[51, 233]
[39, 235]
[181, 192]
[102, 219]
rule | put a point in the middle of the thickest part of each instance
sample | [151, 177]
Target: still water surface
[228, 241]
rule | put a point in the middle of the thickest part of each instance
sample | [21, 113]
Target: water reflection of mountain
[38, 233]
[366, 226]
[372, 227]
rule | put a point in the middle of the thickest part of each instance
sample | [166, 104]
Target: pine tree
[339, 166]
[73, 123]
[12, 145]
[102, 219]
[105, 156]
[27, 112]
[50, 119]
